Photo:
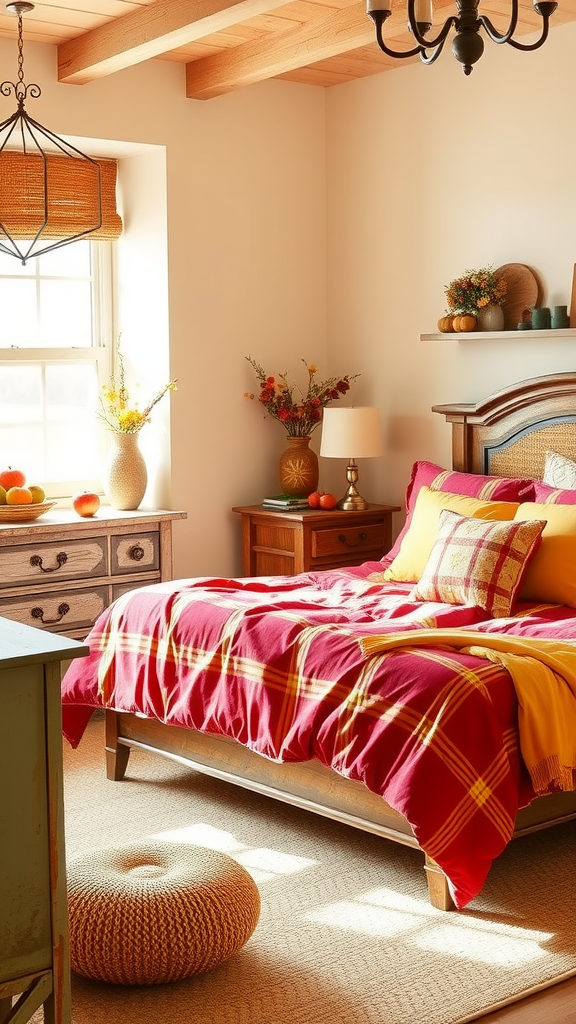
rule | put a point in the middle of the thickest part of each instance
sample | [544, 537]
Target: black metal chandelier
[50, 192]
[467, 45]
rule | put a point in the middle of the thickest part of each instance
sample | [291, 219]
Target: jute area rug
[346, 932]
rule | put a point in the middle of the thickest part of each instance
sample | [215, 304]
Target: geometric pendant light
[50, 192]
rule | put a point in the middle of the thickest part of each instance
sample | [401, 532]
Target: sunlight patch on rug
[486, 942]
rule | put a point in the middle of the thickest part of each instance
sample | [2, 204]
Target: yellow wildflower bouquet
[118, 412]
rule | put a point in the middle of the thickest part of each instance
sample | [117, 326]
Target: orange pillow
[419, 539]
[551, 575]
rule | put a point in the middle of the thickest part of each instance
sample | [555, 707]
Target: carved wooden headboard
[509, 433]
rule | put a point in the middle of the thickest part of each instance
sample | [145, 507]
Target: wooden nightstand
[286, 543]
[61, 571]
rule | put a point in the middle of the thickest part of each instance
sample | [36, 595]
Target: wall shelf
[564, 332]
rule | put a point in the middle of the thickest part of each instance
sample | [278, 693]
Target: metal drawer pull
[361, 539]
[136, 553]
[38, 613]
[61, 559]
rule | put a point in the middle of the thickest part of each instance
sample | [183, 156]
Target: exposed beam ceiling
[228, 44]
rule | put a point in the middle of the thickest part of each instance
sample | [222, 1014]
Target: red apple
[12, 478]
[314, 499]
[327, 501]
[86, 504]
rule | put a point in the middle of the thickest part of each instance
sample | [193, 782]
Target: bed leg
[117, 754]
[438, 890]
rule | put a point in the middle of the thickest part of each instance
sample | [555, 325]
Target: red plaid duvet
[275, 663]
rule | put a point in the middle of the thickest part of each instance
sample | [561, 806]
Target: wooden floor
[556, 1005]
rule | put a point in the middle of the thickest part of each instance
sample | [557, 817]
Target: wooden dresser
[59, 572]
[34, 959]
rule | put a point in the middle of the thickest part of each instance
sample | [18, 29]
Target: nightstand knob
[61, 559]
[136, 553]
[38, 613]
[361, 539]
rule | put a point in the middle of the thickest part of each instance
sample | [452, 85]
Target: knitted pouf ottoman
[156, 912]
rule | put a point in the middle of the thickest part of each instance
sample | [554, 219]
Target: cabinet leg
[5, 1007]
[438, 890]
[117, 753]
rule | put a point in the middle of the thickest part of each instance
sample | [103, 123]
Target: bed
[351, 694]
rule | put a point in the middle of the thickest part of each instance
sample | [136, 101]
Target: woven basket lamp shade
[51, 193]
[157, 912]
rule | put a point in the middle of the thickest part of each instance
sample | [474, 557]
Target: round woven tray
[24, 513]
[524, 292]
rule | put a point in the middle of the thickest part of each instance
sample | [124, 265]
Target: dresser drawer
[60, 610]
[134, 552]
[348, 540]
[124, 588]
[66, 560]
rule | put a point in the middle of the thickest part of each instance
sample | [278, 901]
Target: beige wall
[297, 222]
[240, 268]
[430, 173]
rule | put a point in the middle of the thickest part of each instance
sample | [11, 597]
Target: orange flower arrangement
[299, 414]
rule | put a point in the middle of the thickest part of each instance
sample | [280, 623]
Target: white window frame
[100, 354]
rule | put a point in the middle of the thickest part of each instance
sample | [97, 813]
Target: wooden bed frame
[505, 435]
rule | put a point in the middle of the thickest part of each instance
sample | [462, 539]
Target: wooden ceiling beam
[149, 32]
[336, 33]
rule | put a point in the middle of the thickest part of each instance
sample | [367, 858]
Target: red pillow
[474, 485]
[546, 495]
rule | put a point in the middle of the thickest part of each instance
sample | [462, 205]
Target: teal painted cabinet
[34, 956]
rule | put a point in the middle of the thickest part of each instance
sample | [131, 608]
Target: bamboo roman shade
[67, 186]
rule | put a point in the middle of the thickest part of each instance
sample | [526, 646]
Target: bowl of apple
[21, 502]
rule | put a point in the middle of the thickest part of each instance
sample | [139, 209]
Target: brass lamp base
[352, 500]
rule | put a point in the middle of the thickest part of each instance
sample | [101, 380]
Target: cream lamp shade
[351, 433]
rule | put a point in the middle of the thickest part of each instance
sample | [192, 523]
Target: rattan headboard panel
[509, 433]
[524, 455]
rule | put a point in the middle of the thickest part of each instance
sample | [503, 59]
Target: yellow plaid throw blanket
[544, 676]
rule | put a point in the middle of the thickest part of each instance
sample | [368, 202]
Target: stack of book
[283, 503]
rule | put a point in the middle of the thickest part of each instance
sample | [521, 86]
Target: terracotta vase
[126, 476]
[298, 470]
[490, 318]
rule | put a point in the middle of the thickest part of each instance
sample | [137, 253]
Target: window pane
[55, 439]
[20, 394]
[70, 261]
[18, 320]
[65, 314]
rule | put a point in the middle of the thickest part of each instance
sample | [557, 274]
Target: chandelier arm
[545, 9]
[422, 40]
[379, 17]
[430, 58]
[495, 35]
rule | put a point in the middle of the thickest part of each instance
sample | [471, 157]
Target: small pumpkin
[446, 324]
[465, 322]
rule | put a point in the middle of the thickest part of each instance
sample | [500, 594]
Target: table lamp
[352, 433]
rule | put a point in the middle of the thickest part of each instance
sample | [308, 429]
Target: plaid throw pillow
[478, 562]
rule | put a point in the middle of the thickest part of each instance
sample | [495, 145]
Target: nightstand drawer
[60, 610]
[63, 560]
[348, 540]
[135, 552]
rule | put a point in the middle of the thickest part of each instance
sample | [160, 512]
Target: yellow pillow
[418, 542]
[551, 575]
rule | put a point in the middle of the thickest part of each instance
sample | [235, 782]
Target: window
[55, 354]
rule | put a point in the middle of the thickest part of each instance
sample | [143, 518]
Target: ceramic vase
[490, 318]
[298, 470]
[126, 476]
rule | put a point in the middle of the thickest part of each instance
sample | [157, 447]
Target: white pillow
[559, 471]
